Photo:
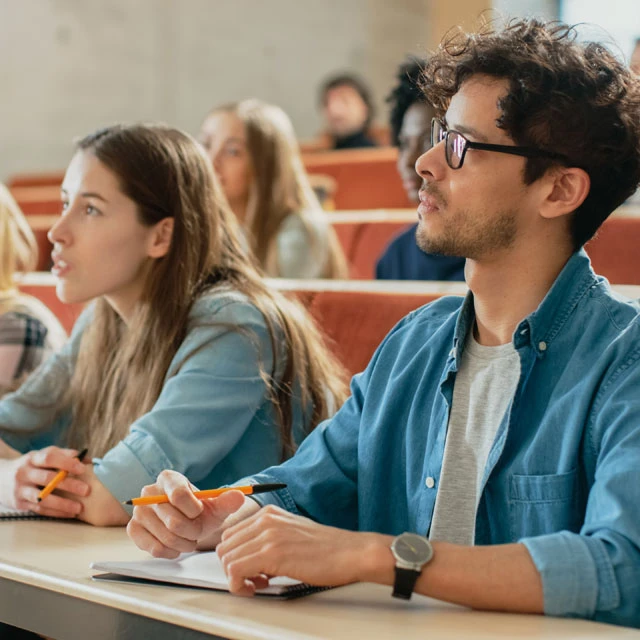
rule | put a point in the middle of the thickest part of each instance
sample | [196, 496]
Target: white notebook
[8, 513]
[200, 569]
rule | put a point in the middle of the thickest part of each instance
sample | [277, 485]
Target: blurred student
[410, 123]
[29, 332]
[634, 62]
[254, 152]
[347, 110]
[185, 360]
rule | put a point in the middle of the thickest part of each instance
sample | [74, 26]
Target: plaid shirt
[24, 344]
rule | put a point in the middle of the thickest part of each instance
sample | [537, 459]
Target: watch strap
[404, 583]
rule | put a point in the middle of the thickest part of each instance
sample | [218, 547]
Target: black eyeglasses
[456, 145]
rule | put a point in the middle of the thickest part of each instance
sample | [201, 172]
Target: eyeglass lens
[455, 143]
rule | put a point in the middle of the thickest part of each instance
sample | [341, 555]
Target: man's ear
[567, 189]
[160, 239]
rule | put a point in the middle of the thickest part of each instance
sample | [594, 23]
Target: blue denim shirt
[563, 474]
[213, 421]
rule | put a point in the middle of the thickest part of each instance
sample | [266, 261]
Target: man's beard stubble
[466, 235]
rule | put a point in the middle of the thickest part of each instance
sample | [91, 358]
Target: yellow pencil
[58, 478]
[208, 493]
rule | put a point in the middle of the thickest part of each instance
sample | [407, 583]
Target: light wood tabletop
[46, 586]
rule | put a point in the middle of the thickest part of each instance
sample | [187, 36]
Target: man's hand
[22, 479]
[186, 523]
[274, 542]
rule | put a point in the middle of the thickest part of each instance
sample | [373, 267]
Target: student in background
[255, 155]
[410, 123]
[347, 110]
[185, 360]
[488, 455]
[634, 62]
[29, 332]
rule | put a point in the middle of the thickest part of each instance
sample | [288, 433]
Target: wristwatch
[412, 552]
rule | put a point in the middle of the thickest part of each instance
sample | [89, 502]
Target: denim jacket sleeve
[596, 573]
[204, 407]
[322, 477]
[29, 415]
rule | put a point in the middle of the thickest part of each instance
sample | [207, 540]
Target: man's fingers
[171, 538]
[225, 504]
[146, 541]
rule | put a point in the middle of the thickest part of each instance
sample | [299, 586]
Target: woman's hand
[186, 523]
[22, 479]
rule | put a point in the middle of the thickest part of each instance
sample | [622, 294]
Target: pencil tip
[39, 499]
[127, 502]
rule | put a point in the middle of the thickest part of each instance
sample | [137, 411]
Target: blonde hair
[281, 187]
[18, 247]
[120, 370]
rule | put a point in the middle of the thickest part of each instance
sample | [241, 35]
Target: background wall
[69, 66]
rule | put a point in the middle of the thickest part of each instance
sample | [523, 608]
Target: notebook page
[8, 513]
[192, 569]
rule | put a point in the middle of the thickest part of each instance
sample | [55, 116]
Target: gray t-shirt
[484, 387]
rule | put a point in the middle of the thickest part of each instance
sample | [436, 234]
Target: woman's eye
[92, 211]
[65, 205]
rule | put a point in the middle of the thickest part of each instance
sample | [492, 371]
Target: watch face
[412, 548]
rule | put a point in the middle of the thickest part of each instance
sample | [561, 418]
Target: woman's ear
[160, 239]
[568, 187]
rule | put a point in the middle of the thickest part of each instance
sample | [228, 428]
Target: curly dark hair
[404, 94]
[574, 99]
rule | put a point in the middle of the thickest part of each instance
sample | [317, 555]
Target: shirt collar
[540, 327]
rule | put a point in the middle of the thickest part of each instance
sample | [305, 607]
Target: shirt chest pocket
[544, 504]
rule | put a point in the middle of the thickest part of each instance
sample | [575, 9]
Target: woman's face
[100, 248]
[224, 138]
[414, 139]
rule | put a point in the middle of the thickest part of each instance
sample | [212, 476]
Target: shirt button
[542, 346]
[430, 482]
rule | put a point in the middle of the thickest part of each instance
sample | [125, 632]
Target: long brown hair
[281, 188]
[120, 370]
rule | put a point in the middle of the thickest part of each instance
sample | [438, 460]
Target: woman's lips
[60, 266]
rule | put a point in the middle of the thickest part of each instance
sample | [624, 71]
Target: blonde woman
[186, 360]
[29, 332]
[254, 152]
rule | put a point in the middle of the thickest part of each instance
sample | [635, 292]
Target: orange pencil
[208, 493]
[58, 478]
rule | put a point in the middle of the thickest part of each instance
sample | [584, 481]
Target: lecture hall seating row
[354, 315]
[363, 236]
[364, 179]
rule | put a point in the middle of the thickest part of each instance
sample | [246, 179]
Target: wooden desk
[45, 586]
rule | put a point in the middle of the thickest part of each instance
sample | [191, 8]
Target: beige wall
[445, 15]
[69, 66]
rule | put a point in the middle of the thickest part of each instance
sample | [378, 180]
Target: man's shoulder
[618, 312]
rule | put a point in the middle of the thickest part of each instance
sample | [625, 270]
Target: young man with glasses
[490, 453]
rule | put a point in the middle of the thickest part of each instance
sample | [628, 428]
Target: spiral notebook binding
[299, 590]
[13, 515]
